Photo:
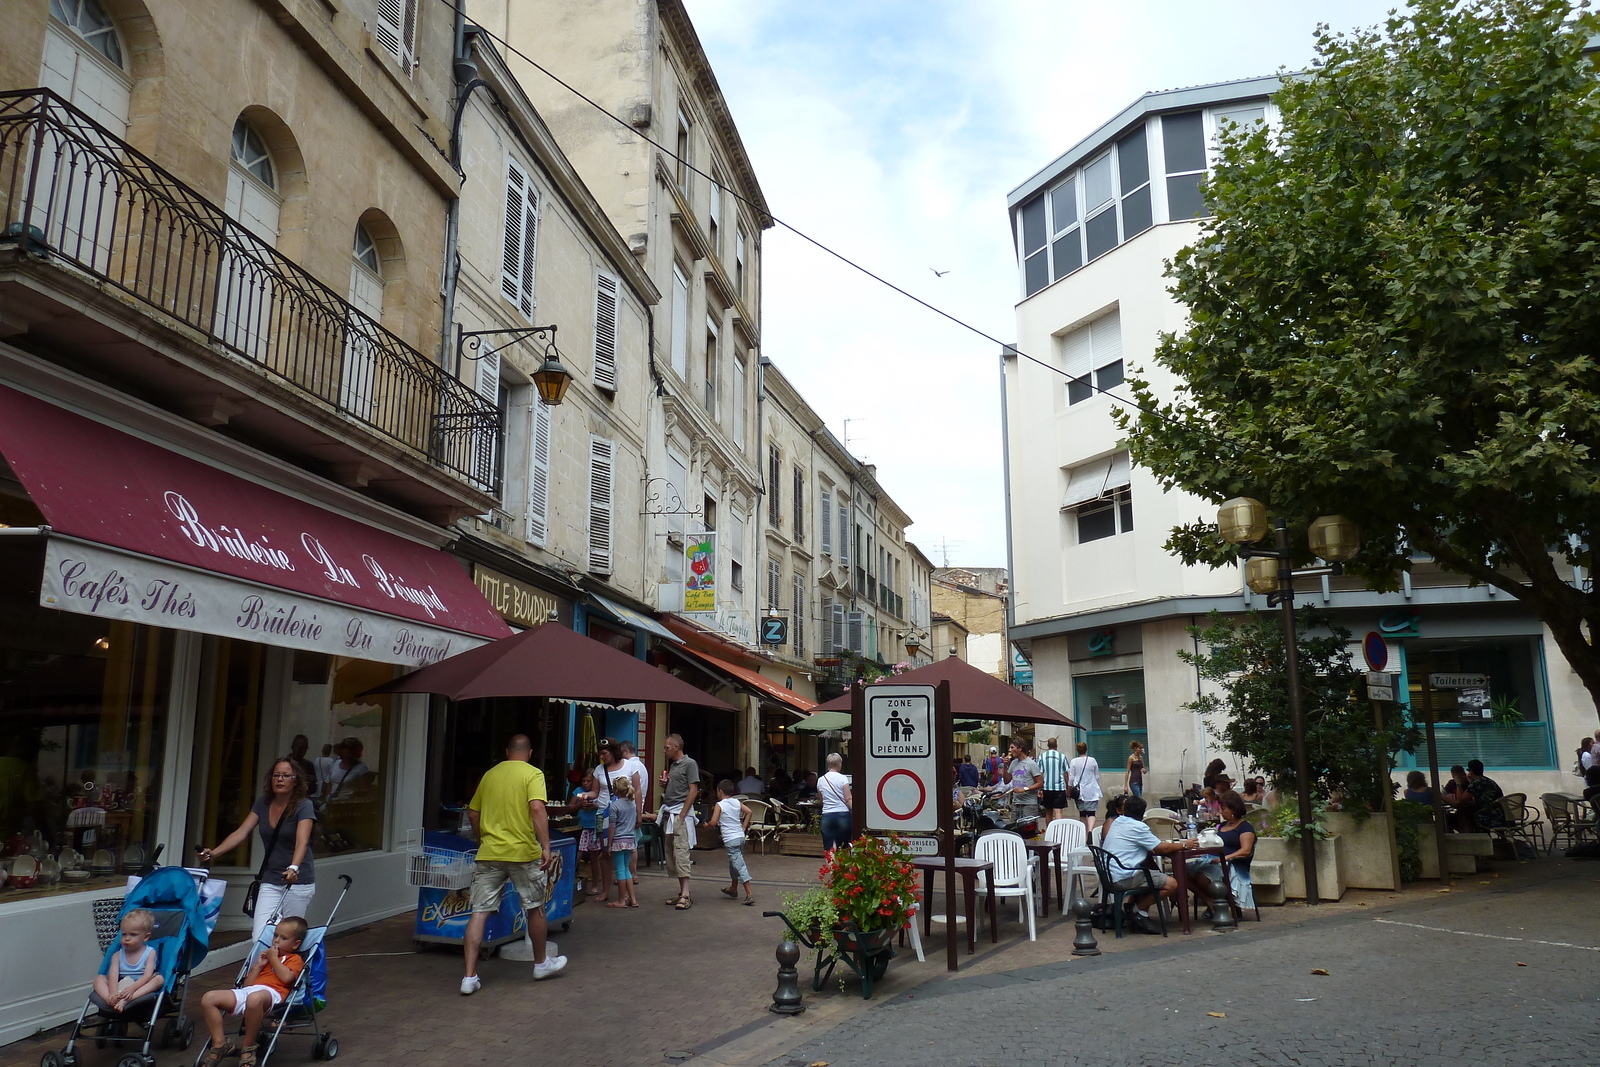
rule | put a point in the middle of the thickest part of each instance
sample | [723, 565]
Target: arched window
[358, 382]
[250, 153]
[366, 250]
[90, 22]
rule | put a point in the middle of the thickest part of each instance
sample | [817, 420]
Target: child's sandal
[216, 1054]
[247, 1058]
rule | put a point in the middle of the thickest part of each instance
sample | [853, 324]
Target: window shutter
[1077, 352]
[856, 626]
[539, 474]
[826, 512]
[797, 632]
[774, 581]
[738, 400]
[489, 389]
[799, 506]
[844, 535]
[396, 30]
[605, 331]
[837, 627]
[530, 249]
[602, 459]
[774, 472]
[511, 259]
[680, 323]
[1107, 338]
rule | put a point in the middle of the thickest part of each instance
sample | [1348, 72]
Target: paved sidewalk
[655, 986]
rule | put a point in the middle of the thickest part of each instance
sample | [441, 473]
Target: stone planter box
[1367, 859]
[1330, 865]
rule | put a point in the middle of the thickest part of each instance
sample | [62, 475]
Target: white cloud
[892, 131]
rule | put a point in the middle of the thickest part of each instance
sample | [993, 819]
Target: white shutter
[539, 473]
[1106, 332]
[1077, 352]
[530, 250]
[602, 461]
[797, 631]
[826, 513]
[774, 583]
[738, 400]
[844, 535]
[680, 323]
[856, 631]
[825, 624]
[489, 389]
[396, 30]
[511, 258]
[837, 626]
[605, 330]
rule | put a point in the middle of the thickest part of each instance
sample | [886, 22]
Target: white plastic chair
[1012, 875]
[1074, 858]
[914, 929]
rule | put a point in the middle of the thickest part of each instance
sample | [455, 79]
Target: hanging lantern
[552, 380]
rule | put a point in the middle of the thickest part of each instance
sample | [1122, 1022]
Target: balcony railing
[73, 192]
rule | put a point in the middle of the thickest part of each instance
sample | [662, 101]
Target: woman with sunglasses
[285, 818]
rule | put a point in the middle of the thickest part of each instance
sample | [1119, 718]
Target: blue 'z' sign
[774, 630]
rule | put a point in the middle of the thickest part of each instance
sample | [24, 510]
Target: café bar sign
[92, 580]
[516, 601]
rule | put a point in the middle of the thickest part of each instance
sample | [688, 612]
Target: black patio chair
[1110, 871]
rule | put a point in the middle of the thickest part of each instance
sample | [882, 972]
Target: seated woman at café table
[1131, 843]
[1417, 788]
[1239, 845]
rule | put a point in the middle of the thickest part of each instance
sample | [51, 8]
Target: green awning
[823, 721]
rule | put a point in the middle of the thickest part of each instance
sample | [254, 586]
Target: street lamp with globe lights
[1243, 521]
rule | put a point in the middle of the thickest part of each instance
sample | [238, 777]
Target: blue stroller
[297, 1015]
[180, 938]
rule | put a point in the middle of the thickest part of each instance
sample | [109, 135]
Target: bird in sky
[939, 273]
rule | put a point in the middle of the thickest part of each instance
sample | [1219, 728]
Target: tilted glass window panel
[1097, 185]
[1063, 205]
[1096, 522]
[1133, 161]
[1036, 272]
[1246, 117]
[1068, 252]
[1101, 232]
[1033, 225]
[1184, 142]
[1125, 511]
[1137, 215]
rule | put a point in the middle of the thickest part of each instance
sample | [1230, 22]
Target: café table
[1180, 874]
[968, 869]
[1048, 854]
[810, 810]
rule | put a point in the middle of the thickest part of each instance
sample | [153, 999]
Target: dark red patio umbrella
[973, 695]
[550, 661]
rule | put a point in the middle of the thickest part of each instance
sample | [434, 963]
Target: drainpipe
[466, 75]
[1009, 351]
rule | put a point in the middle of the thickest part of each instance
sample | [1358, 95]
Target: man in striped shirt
[1053, 771]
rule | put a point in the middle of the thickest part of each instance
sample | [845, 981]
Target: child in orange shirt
[264, 988]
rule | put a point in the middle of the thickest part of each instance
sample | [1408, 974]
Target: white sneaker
[552, 965]
[470, 985]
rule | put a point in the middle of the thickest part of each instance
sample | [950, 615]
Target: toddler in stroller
[269, 982]
[137, 975]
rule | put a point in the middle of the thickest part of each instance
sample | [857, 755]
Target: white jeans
[294, 900]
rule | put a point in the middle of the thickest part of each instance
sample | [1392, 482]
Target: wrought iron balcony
[72, 192]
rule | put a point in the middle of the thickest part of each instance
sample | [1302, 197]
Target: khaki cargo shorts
[489, 878]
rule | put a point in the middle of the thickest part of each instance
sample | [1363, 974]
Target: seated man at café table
[750, 783]
[1131, 843]
[1475, 801]
[807, 789]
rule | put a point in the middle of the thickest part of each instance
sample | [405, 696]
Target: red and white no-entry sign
[901, 767]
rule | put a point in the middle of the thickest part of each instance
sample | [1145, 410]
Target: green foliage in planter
[813, 909]
[1285, 821]
[1346, 755]
[1505, 711]
[1408, 819]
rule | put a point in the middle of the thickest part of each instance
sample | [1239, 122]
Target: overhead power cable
[1008, 347]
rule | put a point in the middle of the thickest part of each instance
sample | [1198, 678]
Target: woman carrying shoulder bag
[286, 881]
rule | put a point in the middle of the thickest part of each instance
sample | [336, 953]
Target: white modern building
[1099, 606]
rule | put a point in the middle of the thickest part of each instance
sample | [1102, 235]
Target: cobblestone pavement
[654, 986]
[1505, 975]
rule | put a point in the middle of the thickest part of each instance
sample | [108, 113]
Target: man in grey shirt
[680, 788]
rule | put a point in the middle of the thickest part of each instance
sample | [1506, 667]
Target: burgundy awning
[102, 485]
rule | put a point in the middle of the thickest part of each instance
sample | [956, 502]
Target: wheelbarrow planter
[866, 952]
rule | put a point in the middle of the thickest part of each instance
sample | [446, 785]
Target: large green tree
[1395, 313]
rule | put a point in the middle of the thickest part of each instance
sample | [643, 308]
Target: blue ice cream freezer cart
[440, 866]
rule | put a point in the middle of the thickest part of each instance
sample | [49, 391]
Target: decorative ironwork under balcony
[72, 193]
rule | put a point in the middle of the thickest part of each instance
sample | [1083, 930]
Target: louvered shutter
[539, 474]
[774, 583]
[511, 259]
[488, 465]
[844, 535]
[680, 323]
[825, 624]
[836, 626]
[530, 250]
[826, 512]
[605, 331]
[602, 468]
[396, 30]
[856, 627]
[1077, 352]
[797, 632]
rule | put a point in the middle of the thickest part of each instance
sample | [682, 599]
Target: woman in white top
[834, 789]
[1084, 772]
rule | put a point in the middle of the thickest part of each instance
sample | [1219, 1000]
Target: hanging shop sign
[700, 572]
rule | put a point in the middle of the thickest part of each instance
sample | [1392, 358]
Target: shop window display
[348, 734]
[83, 716]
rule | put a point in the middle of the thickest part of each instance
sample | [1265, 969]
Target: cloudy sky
[890, 131]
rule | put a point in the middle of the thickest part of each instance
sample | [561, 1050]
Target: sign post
[903, 777]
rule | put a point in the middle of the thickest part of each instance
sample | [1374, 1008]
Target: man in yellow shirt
[508, 819]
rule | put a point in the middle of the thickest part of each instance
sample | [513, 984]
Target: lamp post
[1243, 521]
